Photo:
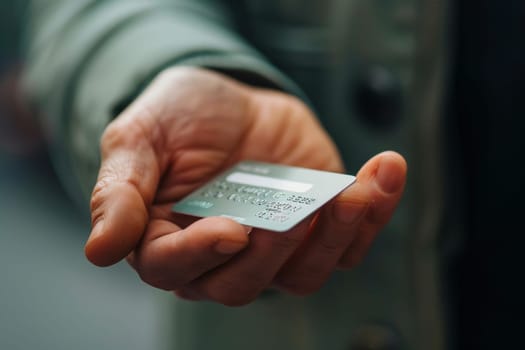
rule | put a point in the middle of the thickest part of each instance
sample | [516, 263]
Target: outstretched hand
[189, 125]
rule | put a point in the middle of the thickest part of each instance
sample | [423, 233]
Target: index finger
[356, 215]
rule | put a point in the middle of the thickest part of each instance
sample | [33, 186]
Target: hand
[189, 125]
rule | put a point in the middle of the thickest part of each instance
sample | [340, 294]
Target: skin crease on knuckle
[98, 197]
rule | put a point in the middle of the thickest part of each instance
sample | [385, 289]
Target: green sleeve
[85, 58]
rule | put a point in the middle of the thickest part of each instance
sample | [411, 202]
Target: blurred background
[50, 296]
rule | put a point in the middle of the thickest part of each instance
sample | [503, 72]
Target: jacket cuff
[133, 56]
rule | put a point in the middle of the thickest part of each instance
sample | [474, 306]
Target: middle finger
[241, 279]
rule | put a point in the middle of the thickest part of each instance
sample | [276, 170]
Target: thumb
[125, 188]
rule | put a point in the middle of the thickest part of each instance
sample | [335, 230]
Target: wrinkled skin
[189, 125]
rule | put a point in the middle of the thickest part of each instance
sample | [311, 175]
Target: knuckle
[154, 271]
[112, 135]
[123, 132]
[98, 194]
[155, 279]
[231, 293]
[329, 247]
[124, 170]
[135, 175]
[96, 203]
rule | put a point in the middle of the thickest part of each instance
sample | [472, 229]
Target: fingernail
[389, 177]
[229, 247]
[348, 212]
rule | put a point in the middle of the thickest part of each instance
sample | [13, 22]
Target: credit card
[263, 195]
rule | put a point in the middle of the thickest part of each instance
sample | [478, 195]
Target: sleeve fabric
[85, 57]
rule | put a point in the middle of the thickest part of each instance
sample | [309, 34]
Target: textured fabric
[87, 56]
